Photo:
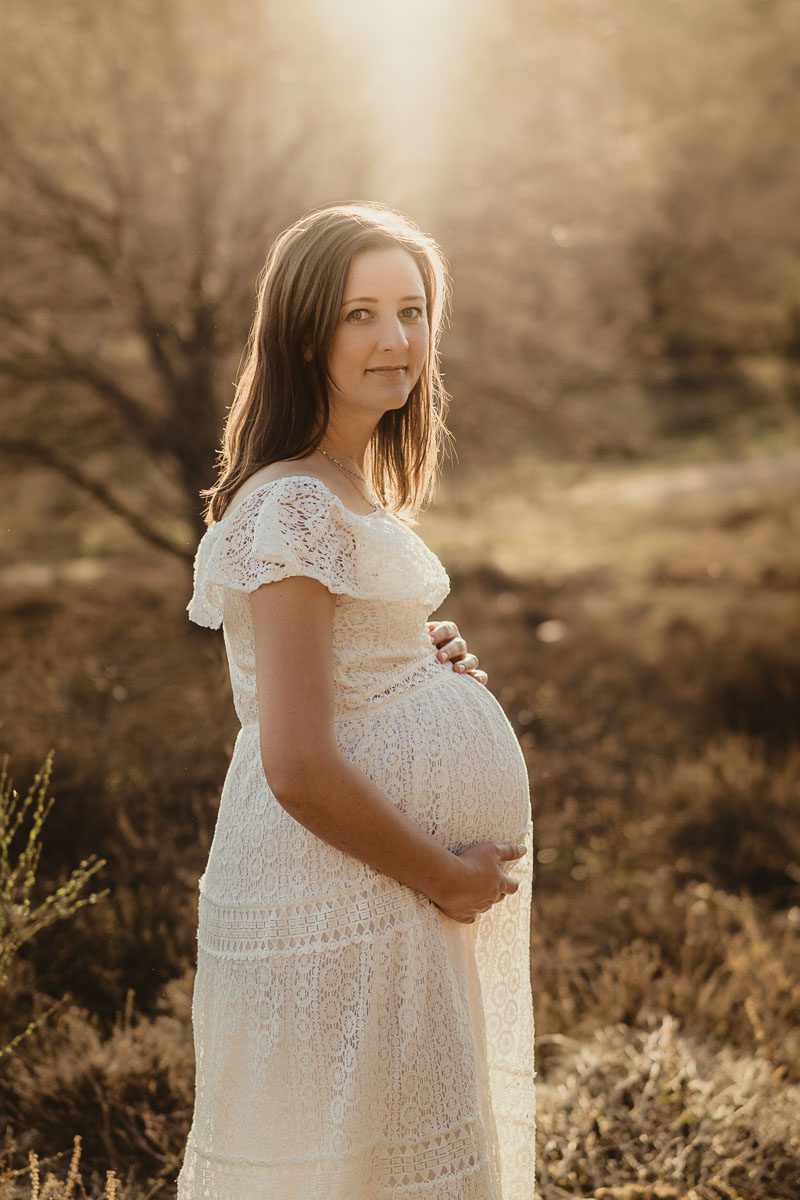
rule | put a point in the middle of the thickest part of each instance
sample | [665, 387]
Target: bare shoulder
[285, 468]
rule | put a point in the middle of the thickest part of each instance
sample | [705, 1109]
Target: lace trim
[407, 688]
[297, 526]
[454, 1153]
[441, 1156]
[516, 1102]
[427, 675]
[308, 926]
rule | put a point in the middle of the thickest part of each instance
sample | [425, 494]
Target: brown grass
[647, 654]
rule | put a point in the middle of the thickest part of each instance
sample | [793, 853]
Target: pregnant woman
[362, 1009]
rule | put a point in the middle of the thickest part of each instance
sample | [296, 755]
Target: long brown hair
[278, 395]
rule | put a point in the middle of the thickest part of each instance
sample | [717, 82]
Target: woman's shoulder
[294, 475]
[283, 525]
[285, 522]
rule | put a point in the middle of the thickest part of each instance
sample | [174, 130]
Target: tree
[150, 152]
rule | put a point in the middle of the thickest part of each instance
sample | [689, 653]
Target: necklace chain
[342, 467]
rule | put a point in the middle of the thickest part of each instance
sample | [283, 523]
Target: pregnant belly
[448, 757]
[445, 754]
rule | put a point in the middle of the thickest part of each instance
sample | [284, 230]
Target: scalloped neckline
[376, 512]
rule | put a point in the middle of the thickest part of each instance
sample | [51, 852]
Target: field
[639, 623]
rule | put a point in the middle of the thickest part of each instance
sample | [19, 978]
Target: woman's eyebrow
[374, 299]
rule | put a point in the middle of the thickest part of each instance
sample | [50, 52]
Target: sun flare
[409, 56]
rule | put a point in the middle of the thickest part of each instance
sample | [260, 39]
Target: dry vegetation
[656, 701]
[621, 535]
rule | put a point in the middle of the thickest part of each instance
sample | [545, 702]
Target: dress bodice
[386, 581]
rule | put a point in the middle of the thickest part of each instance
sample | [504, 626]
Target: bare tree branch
[29, 450]
[57, 362]
[138, 201]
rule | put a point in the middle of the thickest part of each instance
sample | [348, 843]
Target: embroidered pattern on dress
[351, 1041]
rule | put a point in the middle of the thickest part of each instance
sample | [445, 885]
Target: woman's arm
[304, 768]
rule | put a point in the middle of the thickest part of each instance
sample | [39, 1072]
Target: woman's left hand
[451, 645]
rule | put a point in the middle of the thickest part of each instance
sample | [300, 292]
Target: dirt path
[641, 486]
[668, 484]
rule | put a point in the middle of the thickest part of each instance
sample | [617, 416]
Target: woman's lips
[389, 371]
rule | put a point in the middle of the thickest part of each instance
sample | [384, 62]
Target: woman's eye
[414, 308]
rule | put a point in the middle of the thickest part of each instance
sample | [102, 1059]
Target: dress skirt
[351, 1041]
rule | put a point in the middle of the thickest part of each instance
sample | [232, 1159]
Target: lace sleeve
[292, 526]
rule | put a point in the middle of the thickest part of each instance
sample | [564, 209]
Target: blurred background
[616, 189]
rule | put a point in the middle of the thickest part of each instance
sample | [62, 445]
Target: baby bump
[445, 754]
[448, 757]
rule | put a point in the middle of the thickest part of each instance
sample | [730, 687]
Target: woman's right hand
[480, 880]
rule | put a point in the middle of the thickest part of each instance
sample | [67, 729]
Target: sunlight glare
[410, 55]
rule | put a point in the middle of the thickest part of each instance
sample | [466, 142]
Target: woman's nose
[392, 336]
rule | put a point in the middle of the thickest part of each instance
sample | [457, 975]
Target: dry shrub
[52, 1187]
[718, 962]
[131, 700]
[733, 812]
[146, 927]
[727, 815]
[651, 1107]
[752, 681]
[130, 1094]
[660, 732]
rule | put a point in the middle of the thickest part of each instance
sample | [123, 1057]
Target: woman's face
[383, 322]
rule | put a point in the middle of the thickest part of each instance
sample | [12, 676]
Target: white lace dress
[351, 1041]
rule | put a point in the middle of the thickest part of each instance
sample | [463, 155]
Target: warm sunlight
[415, 695]
[408, 57]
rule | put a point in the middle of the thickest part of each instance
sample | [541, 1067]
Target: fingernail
[442, 655]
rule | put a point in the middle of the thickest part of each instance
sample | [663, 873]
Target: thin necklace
[342, 467]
